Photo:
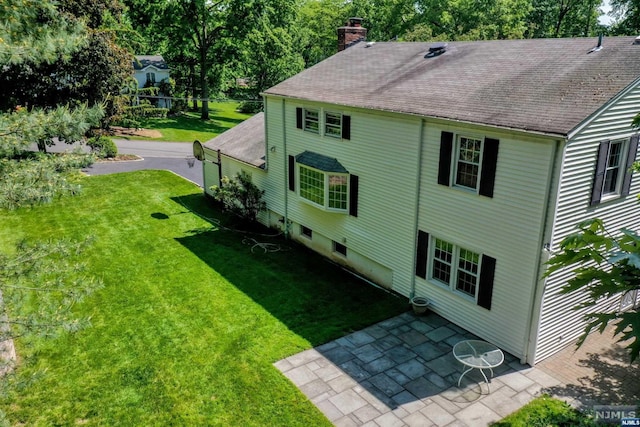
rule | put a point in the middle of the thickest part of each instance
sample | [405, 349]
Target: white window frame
[325, 205]
[336, 129]
[151, 77]
[457, 161]
[455, 268]
[306, 121]
[623, 143]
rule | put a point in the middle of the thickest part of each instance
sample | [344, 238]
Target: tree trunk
[204, 115]
[42, 146]
[194, 86]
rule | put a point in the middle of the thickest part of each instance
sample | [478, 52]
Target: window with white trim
[467, 162]
[151, 78]
[612, 177]
[328, 190]
[311, 121]
[333, 125]
[456, 267]
[613, 173]
[325, 123]
[466, 273]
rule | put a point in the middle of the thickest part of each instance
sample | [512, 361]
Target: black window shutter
[489, 164]
[292, 173]
[444, 167]
[487, 271]
[601, 167]
[631, 158]
[353, 195]
[421, 254]
[346, 127]
[299, 118]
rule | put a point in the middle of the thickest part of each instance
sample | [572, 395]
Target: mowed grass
[545, 411]
[188, 126]
[190, 320]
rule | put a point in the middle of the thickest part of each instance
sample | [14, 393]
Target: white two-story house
[451, 171]
[151, 70]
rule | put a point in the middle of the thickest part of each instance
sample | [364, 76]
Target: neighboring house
[452, 171]
[152, 70]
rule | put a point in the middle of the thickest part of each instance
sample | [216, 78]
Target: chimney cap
[355, 22]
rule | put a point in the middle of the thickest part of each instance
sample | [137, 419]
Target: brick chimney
[352, 33]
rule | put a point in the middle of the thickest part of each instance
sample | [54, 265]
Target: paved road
[155, 155]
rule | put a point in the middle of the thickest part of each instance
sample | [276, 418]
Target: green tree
[93, 72]
[212, 31]
[25, 179]
[317, 23]
[240, 197]
[627, 17]
[604, 265]
[564, 18]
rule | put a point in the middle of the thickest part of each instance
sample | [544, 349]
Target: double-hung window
[468, 162]
[325, 189]
[324, 122]
[151, 78]
[463, 271]
[333, 125]
[612, 176]
[456, 267]
[311, 121]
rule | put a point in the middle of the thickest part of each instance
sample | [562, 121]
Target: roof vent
[637, 40]
[436, 49]
[599, 47]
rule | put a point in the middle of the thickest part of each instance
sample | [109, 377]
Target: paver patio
[401, 372]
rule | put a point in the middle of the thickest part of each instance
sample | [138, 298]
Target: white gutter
[286, 175]
[417, 211]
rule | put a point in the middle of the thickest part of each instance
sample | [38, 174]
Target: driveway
[154, 155]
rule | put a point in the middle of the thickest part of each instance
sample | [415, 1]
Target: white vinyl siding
[559, 323]
[382, 153]
[507, 227]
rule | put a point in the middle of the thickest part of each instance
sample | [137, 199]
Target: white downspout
[417, 210]
[286, 175]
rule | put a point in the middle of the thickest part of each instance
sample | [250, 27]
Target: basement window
[306, 232]
[339, 248]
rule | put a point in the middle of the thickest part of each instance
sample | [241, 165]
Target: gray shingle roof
[143, 61]
[543, 85]
[244, 142]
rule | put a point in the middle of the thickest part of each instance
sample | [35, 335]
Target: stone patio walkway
[401, 372]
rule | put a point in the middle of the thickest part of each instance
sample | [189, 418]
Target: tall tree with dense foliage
[627, 16]
[93, 72]
[212, 31]
[564, 18]
[26, 179]
[39, 282]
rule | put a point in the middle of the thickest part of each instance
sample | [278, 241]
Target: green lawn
[188, 127]
[545, 411]
[189, 321]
